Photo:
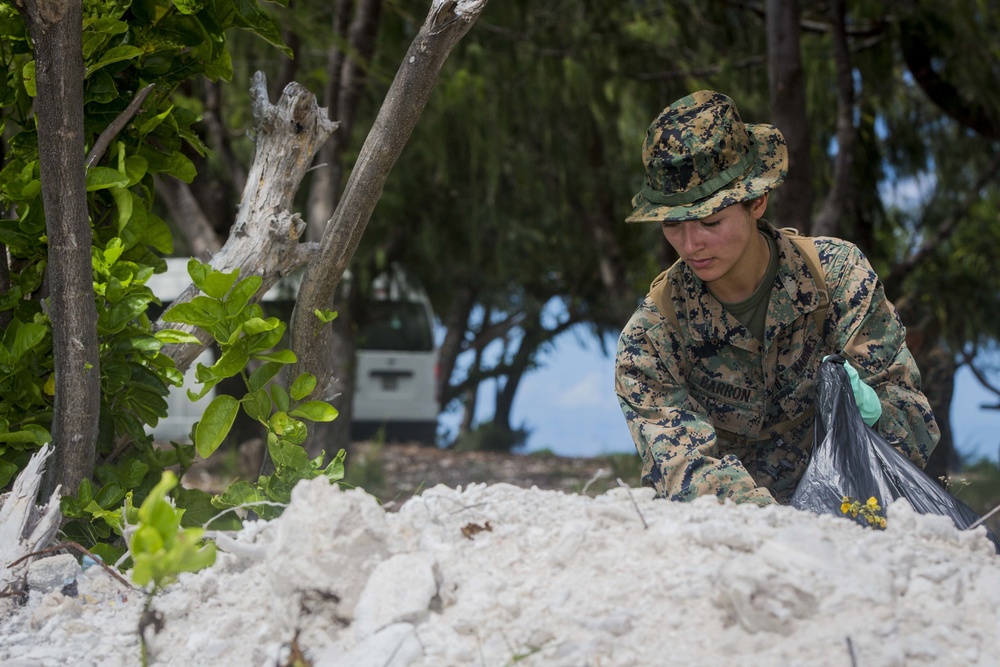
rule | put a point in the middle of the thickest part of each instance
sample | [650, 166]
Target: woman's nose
[690, 237]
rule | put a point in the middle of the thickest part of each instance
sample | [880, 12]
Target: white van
[396, 365]
[395, 381]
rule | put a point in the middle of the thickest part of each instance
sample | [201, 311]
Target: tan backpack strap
[661, 293]
[807, 247]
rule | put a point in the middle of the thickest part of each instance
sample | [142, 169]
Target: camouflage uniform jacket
[702, 400]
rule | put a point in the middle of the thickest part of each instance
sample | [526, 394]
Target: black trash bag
[850, 459]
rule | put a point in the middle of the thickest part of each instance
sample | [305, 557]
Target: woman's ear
[758, 206]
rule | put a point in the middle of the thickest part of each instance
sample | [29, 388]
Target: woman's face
[722, 249]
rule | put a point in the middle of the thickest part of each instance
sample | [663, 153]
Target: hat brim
[768, 173]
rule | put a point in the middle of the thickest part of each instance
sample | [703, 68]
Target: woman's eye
[714, 223]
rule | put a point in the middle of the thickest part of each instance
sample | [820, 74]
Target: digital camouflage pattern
[700, 157]
[702, 400]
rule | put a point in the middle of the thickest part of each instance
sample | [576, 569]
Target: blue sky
[569, 406]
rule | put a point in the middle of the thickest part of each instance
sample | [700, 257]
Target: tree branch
[112, 130]
[900, 272]
[967, 359]
[919, 54]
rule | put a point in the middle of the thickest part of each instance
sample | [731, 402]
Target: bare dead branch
[264, 239]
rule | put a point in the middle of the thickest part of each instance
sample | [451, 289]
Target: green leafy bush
[225, 311]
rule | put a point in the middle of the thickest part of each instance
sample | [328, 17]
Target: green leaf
[139, 343]
[114, 55]
[188, 6]
[155, 232]
[27, 338]
[242, 293]
[290, 456]
[131, 472]
[110, 495]
[325, 316]
[256, 325]
[125, 311]
[7, 471]
[124, 203]
[200, 311]
[143, 379]
[216, 283]
[112, 251]
[238, 495]
[257, 405]
[102, 178]
[317, 411]
[28, 76]
[200, 512]
[280, 397]
[265, 340]
[29, 433]
[170, 336]
[231, 362]
[198, 272]
[252, 18]
[260, 377]
[176, 164]
[334, 471]
[278, 356]
[303, 386]
[282, 425]
[135, 169]
[107, 552]
[215, 424]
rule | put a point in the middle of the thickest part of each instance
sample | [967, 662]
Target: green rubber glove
[868, 404]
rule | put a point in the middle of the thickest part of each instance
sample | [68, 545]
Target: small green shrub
[491, 437]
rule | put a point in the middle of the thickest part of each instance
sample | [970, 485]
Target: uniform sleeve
[672, 433]
[873, 339]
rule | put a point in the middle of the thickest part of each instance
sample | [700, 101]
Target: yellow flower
[845, 507]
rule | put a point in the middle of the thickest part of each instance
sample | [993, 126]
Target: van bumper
[424, 432]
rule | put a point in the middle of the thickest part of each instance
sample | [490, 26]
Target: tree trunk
[518, 366]
[56, 29]
[791, 204]
[330, 437]
[218, 136]
[835, 205]
[202, 241]
[445, 25]
[937, 380]
[456, 323]
[5, 316]
[346, 78]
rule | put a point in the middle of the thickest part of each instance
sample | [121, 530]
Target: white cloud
[591, 391]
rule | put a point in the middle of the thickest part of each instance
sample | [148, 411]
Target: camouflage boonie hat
[700, 158]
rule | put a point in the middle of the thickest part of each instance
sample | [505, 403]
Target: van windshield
[401, 326]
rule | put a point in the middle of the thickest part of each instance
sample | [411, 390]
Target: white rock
[400, 589]
[53, 572]
[394, 646]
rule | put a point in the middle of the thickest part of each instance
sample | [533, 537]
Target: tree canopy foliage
[508, 201]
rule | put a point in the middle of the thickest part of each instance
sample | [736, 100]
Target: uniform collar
[796, 295]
